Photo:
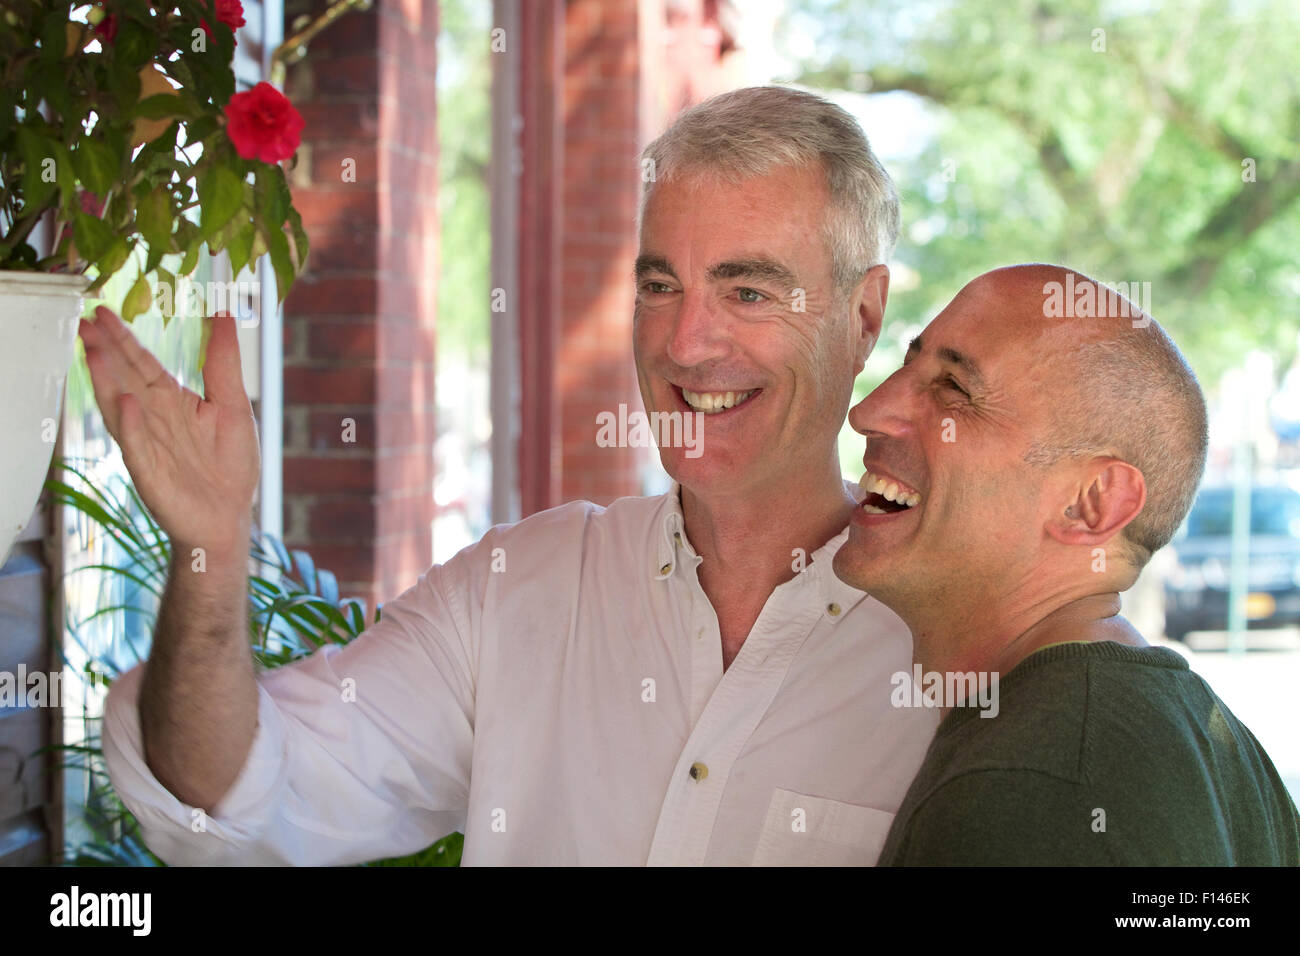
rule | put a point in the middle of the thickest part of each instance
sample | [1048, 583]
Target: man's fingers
[141, 361]
[223, 382]
[130, 437]
[105, 384]
[111, 370]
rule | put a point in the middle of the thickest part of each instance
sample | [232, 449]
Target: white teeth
[890, 490]
[873, 510]
[714, 401]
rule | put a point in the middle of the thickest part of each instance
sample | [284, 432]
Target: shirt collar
[672, 537]
[672, 545]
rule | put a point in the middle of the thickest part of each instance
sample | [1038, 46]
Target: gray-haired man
[671, 680]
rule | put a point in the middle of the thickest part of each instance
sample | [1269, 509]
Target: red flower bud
[262, 124]
[90, 204]
[229, 12]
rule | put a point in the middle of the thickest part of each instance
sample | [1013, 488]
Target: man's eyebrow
[953, 357]
[645, 265]
[768, 270]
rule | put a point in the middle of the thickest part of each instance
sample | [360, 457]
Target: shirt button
[833, 609]
[665, 569]
[699, 771]
[677, 536]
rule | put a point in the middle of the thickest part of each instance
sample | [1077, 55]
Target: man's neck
[997, 642]
[751, 541]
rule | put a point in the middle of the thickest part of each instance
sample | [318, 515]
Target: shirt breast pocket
[802, 830]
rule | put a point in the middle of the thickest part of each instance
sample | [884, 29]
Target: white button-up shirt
[556, 693]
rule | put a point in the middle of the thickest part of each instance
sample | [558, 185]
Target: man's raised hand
[194, 460]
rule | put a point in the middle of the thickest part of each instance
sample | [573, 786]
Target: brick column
[595, 371]
[359, 326]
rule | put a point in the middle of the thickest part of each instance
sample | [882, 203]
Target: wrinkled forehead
[1001, 326]
[778, 215]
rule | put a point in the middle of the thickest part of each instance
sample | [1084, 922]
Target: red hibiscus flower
[106, 29]
[229, 12]
[263, 124]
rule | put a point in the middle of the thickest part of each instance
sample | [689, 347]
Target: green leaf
[204, 338]
[110, 261]
[124, 80]
[301, 247]
[278, 245]
[54, 39]
[271, 194]
[167, 284]
[92, 236]
[137, 300]
[221, 192]
[96, 165]
[191, 258]
[201, 128]
[239, 246]
[161, 105]
[154, 257]
[134, 45]
[40, 167]
[153, 218]
[53, 82]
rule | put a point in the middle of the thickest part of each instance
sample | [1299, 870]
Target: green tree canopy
[1137, 142]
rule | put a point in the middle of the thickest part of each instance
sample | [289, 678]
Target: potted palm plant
[122, 142]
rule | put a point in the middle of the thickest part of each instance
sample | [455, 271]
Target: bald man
[1021, 469]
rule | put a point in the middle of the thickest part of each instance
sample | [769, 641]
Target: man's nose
[699, 334]
[887, 410]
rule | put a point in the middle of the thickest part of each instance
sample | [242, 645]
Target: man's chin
[846, 568]
[704, 471]
[853, 568]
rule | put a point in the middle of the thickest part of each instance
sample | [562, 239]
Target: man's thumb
[223, 381]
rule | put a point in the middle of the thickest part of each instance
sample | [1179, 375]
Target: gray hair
[751, 132]
[1134, 397]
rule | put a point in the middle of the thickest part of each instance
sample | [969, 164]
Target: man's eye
[951, 382]
[750, 296]
[656, 288]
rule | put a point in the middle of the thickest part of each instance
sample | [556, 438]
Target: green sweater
[1101, 755]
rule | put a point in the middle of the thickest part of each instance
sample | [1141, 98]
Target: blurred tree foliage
[1118, 138]
[464, 145]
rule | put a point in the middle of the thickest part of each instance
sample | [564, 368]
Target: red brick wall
[359, 326]
[594, 370]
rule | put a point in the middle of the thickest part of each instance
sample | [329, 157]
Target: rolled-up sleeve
[362, 751]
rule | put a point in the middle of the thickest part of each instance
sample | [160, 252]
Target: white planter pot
[38, 333]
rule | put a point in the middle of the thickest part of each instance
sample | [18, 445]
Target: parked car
[1196, 590]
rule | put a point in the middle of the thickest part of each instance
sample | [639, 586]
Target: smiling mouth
[711, 403]
[885, 496]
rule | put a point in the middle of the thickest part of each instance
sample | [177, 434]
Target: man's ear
[869, 310]
[1109, 496]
